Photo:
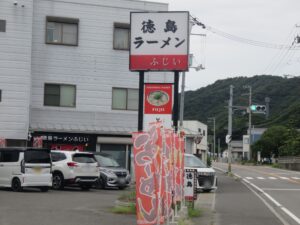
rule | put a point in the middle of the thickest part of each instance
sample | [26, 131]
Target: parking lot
[70, 206]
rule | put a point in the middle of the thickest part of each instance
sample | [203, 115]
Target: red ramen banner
[148, 171]
[158, 170]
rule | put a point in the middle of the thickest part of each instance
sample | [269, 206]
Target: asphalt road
[279, 189]
[68, 207]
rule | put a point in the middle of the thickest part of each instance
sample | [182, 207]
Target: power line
[240, 39]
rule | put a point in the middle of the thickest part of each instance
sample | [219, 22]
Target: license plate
[37, 170]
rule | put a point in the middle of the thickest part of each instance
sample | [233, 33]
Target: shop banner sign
[190, 184]
[158, 103]
[37, 142]
[148, 160]
[159, 41]
[2, 142]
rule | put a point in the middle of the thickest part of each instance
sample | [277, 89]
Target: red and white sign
[2, 143]
[158, 103]
[37, 142]
[159, 41]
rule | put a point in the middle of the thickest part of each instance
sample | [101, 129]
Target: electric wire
[280, 52]
[240, 39]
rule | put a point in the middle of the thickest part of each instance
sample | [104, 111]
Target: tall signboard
[159, 41]
[158, 103]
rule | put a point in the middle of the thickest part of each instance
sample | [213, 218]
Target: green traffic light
[253, 107]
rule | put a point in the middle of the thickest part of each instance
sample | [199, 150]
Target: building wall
[194, 128]
[15, 68]
[93, 66]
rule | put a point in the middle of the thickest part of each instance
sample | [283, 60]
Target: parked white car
[25, 167]
[74, 168]
[206, 176]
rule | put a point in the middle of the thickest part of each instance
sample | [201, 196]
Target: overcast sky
[270, 21]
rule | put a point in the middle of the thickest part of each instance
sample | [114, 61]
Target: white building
[64, 73]
[196, 138]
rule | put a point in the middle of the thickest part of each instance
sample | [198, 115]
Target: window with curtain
[125, 98]
[63, 95]
[121, 36]
[63, 31]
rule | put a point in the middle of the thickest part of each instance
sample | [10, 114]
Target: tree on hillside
[291, 147]
[271, 141]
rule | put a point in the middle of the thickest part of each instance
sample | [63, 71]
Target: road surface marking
[280, 189]
[267, 204]
[284, 178]
[260, 178]
[291, 215]
[249, 178]
[296, 178]
[273, 178]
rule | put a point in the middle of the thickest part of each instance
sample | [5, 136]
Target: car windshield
[106, 161]
[84, 158]
[193, 161]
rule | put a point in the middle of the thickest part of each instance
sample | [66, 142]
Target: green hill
[211, 101]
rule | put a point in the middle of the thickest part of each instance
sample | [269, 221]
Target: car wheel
[58, 181]
[44, 189]
[122, 188]
[16, 185]
[85, 187]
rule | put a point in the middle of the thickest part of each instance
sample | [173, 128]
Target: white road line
[268, 205]
[280, 189]
[260, 178]
[296, 178]
[284, 178]
[273, 178]
[249, 178]
[291, 215]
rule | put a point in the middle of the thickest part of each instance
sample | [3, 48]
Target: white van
[25, 167]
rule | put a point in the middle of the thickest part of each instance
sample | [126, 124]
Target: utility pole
[214, 149]
[230, 126]
[219, 150]
[250, 125]
[267, 100]
[181, 110]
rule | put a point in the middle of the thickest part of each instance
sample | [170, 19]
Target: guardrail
[291, 163]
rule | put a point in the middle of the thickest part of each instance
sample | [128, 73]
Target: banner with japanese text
[148, 161]
[159, 41]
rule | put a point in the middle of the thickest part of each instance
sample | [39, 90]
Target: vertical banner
[2, 143]
[158, 103]
[37, 142]
[190, 184]
[147, 150]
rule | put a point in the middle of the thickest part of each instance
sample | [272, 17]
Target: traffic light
[258, 108]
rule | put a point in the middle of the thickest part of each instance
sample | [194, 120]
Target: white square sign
[159, 41]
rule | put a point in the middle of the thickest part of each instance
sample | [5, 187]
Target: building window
[125, 98]
[2, 25]
[60, 95]
[62, 31]
[121, 36]
[0, 95]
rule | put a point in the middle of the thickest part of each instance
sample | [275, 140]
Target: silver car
[111, 173]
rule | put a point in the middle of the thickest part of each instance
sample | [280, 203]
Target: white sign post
[159, 41]
[190, 185]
